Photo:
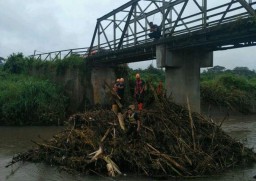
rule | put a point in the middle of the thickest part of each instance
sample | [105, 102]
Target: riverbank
[222, 113]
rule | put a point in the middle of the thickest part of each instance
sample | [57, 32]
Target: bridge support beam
[99, 76]
[182, 70]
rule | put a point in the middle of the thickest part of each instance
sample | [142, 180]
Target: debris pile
[173, 141]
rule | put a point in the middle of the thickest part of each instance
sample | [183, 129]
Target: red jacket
[139, 86]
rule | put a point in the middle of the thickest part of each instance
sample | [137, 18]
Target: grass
[26, 100]
[231, 91]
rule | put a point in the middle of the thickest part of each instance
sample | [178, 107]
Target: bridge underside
[227, 36]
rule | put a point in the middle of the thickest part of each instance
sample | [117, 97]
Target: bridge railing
[127, 25]
[61, 54]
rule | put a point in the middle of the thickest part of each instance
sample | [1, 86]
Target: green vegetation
[233, 89]
[18, 64]
[27, 100]
[30, 100]
[61, 66]
[150, 75]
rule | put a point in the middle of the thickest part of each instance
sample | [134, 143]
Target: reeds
[25, 100]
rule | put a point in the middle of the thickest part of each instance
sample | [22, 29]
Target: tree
[216, 69]
[243, 71]
[15, 63]
[2, 60]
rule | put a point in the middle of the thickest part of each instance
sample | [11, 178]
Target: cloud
[27, 26]
[240, 57]
[48, 25]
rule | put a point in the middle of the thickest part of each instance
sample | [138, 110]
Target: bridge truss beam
[127, 26]
[129, 23]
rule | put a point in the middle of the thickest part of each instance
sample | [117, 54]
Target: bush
[27, 101]
[230, 91]
[16, 64]
[235, 82]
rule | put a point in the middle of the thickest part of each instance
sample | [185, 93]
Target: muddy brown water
[17, 139]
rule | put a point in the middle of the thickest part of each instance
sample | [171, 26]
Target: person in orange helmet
[139, 91]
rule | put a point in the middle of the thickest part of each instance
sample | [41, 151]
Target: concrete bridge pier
[182, 68]
[99, 76]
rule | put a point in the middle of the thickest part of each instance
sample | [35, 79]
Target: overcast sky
[48, 25]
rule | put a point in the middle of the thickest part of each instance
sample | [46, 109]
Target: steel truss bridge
[121, 36]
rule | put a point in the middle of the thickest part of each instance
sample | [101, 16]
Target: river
[18, 139]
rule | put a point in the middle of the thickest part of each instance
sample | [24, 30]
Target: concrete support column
[182, 82]
[182, 70]
[100, 75]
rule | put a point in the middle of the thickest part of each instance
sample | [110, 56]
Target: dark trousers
[155, 34]
[139, 97]
[121, 95]
[132, 131]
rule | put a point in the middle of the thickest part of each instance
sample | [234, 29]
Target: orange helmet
[137, 75]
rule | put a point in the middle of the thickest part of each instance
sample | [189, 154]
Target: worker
[115, 87]
[133, 121]
[139, 91]
[120, 90]
[155, 31]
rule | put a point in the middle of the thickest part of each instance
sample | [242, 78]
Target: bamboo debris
[121, 121]
[166, 145]
[112, 167]
[191, 124]
[95, 155]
